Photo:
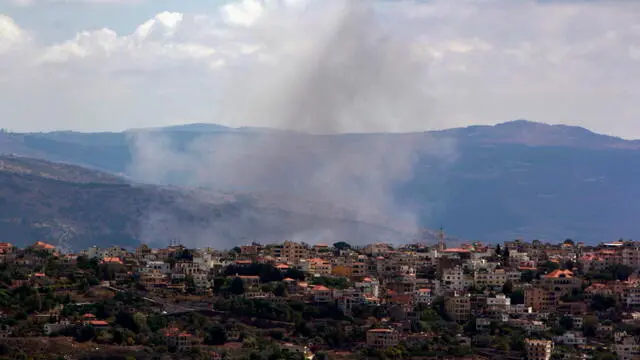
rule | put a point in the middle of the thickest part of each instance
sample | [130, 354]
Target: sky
[109, 65]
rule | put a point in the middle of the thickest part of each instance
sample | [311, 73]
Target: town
[292, 300]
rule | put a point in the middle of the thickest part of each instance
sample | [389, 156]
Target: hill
[74, 207]
[492, 183]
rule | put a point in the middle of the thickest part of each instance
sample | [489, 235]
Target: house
[321, 294]
[56, 327]
[97, 324]
[180, 340]
[561, 281]
[42, 246]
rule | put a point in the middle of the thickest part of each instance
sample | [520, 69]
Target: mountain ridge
[492, 183]
[42, 200]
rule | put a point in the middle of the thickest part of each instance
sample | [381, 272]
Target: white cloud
[11, 35]
[24, 3]
[486, 61]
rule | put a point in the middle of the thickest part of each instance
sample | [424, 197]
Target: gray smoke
[334, 68]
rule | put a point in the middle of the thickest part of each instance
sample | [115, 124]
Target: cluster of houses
[474, 282]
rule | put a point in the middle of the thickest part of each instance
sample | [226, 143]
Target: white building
[570, 338]
[423, 296]
[626, 347]
[156, 266]
[454, 279]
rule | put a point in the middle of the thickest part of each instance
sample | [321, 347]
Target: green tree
[590, 325]
[140, 320]
[156, 322]
[341, 245]
[517, 297]
[215, 335]
[601, 302]
[507, 288]
[237, 286]
[566, 322]
[527, 276]
[280, 290]
[548, 266]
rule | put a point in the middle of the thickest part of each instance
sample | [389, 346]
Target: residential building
[458, 306]
[538, 349]
[382, 338]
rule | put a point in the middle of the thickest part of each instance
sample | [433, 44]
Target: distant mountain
[73, 207]
[492, 183]
[199, 127]
[531, 133]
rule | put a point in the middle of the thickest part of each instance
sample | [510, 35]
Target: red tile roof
[98, 323]
[43, 245]
[111, 260]
[456, 250]
[559, 274]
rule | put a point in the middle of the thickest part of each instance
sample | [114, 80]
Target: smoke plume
[322, 69]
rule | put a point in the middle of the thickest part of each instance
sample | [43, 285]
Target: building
[561, 281]
[317, 266]
[454, 279]
[321, 294]
[626, 347]
[538, 349]
[42, 246]
[291, 252]
[458, 307]
[540, 299]
[570, 338]
[423, 296]
[180, 340]
[382, 338]
[499, 304]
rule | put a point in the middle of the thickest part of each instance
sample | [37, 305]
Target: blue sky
[115, 64]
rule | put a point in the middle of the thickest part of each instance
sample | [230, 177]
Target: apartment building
[317, 266]
[498, 305]
[538, 349]
[454, 279]
[496, 278]
[291, 252]
[423, 296]
[382, 338]
[570, 338]
[458, 307]
[626, 347]
[540, 299]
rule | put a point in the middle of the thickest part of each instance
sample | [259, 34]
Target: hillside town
[292, 300]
